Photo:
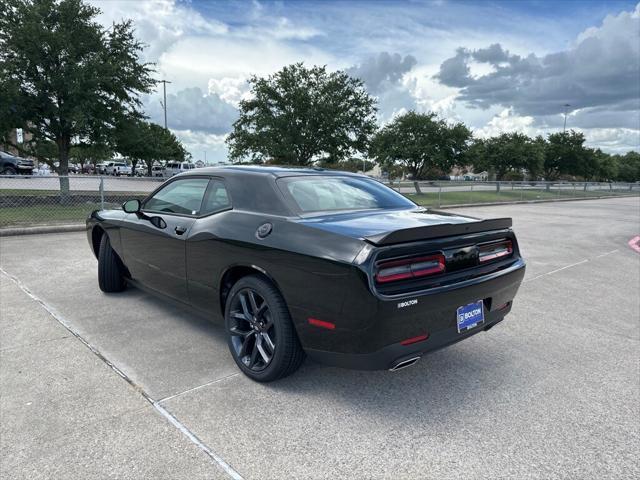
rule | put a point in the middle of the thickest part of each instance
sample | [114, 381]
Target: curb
[10, 232]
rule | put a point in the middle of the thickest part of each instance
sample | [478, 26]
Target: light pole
[566, 110]
[164, 103]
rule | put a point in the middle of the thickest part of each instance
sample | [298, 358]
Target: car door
[207, 256]
[155, 255]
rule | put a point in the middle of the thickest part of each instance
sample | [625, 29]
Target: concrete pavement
[552, 392]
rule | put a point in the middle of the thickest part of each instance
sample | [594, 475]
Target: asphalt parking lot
[552, 392]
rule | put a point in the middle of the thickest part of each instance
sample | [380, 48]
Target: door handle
[180, 230]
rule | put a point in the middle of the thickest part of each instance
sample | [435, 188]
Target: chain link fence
[52, 200]
[451, 193]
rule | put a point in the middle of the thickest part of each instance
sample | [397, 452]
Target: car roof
[269, 171]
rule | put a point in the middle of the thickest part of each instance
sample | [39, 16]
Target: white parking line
[217, 380]
[569, 266]
[155, 404]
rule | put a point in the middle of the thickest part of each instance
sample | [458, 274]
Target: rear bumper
[389, 356]
[370, 337]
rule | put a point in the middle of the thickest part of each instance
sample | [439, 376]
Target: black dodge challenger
[329, 264]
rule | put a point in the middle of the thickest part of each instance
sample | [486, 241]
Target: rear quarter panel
[311, 268]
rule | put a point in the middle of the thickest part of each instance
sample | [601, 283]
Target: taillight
[493, 251]
[395, 270]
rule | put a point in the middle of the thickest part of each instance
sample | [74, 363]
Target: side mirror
[131, 206]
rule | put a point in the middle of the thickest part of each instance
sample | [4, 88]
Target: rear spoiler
[437, 231]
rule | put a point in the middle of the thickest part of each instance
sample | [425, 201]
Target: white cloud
[602, 69]
[613, 140]
[196, 60]
[230, 89]
[191, 109]
[158, 23]
[217, 46]
[505, 122]
[203, 146]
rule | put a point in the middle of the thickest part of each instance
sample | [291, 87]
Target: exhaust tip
[404, 364]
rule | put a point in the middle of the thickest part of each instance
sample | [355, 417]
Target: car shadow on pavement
[444, 383]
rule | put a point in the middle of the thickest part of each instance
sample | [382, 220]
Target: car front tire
[110, 270]
[261, 336]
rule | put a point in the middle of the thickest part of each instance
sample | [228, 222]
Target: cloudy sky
[498, 66]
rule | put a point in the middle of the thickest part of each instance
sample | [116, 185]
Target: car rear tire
[110, 270]
[261, 336]
[8, 171]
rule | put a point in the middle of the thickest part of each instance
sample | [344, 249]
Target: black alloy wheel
[261, 336]
[252, 330]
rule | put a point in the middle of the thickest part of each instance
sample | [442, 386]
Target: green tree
[64, 77]
[146, 142]
[299, 115]
[606, 168]
[507, 154]
[132, 140]
[90, 154]
[534, 162]
[565, 154]
[349, 165]
[421, 143]
[628, 167]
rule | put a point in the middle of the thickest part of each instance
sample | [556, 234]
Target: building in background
[17, 136]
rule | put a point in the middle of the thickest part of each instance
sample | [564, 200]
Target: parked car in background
[141, 170]
[174, 168]
[157, 171]
[42, 169]
[117, 169]
[101, 168]
[12, 165]
[293, 261]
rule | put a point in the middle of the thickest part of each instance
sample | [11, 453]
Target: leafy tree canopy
[421, 142]
[63, 77]
[142, 141]
[299, 115]
[507, 153]
[349, 165]
[628, 166]
[92, 154]
[565, 154]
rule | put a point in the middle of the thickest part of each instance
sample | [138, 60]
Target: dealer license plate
[470, 316]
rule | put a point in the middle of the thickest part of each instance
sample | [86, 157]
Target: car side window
[182, 196]
[216, 198]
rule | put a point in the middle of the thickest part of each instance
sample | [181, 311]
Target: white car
[43, 169]
[157, 171]
[117, 169]
[174, 168]
[101, 168]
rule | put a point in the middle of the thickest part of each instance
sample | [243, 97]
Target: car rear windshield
[326, 193]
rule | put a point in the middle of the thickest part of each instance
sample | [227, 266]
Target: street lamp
[566, 110]
[164, 104]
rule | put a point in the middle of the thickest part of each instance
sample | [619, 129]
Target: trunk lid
[388, 227]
